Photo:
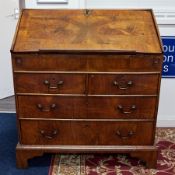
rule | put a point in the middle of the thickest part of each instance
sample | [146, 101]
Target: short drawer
[146, 84]
[87, 63]
[122, 107]
[86, 133]
[50, 83]
[51, 107]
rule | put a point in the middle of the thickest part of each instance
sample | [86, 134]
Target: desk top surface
[87, 30]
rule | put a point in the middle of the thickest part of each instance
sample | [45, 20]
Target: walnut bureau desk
[86, 81]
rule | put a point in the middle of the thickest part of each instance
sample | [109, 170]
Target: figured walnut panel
[86, 133]
[121, 30]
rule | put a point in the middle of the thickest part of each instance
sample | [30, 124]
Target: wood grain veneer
[86, 82]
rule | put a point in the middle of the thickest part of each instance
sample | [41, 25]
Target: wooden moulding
[147, 154]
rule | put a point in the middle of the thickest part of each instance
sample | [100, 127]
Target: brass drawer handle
[49, 136]
[129, 134]
[123, 85]
[126, 110]
[47, 83]
[46, 109]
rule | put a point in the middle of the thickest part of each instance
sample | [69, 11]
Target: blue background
[168, 69]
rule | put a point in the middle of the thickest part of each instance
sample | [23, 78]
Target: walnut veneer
[86, 81]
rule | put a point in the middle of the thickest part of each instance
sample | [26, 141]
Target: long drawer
[78, 107]
[86, 133]
[85, 62]
[50, 83]
[110, 84]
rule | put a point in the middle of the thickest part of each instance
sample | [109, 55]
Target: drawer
[50, 83]
[82, 107]
[51, 107]
[85, 62]
[86, 133]
[124, 84]
[122, 107]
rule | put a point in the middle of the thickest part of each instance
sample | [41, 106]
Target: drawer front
[95, 63]
[86, 133]
[122, 107]
[82, 107]
[50, 83]
[51, 107]
[123, 84]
